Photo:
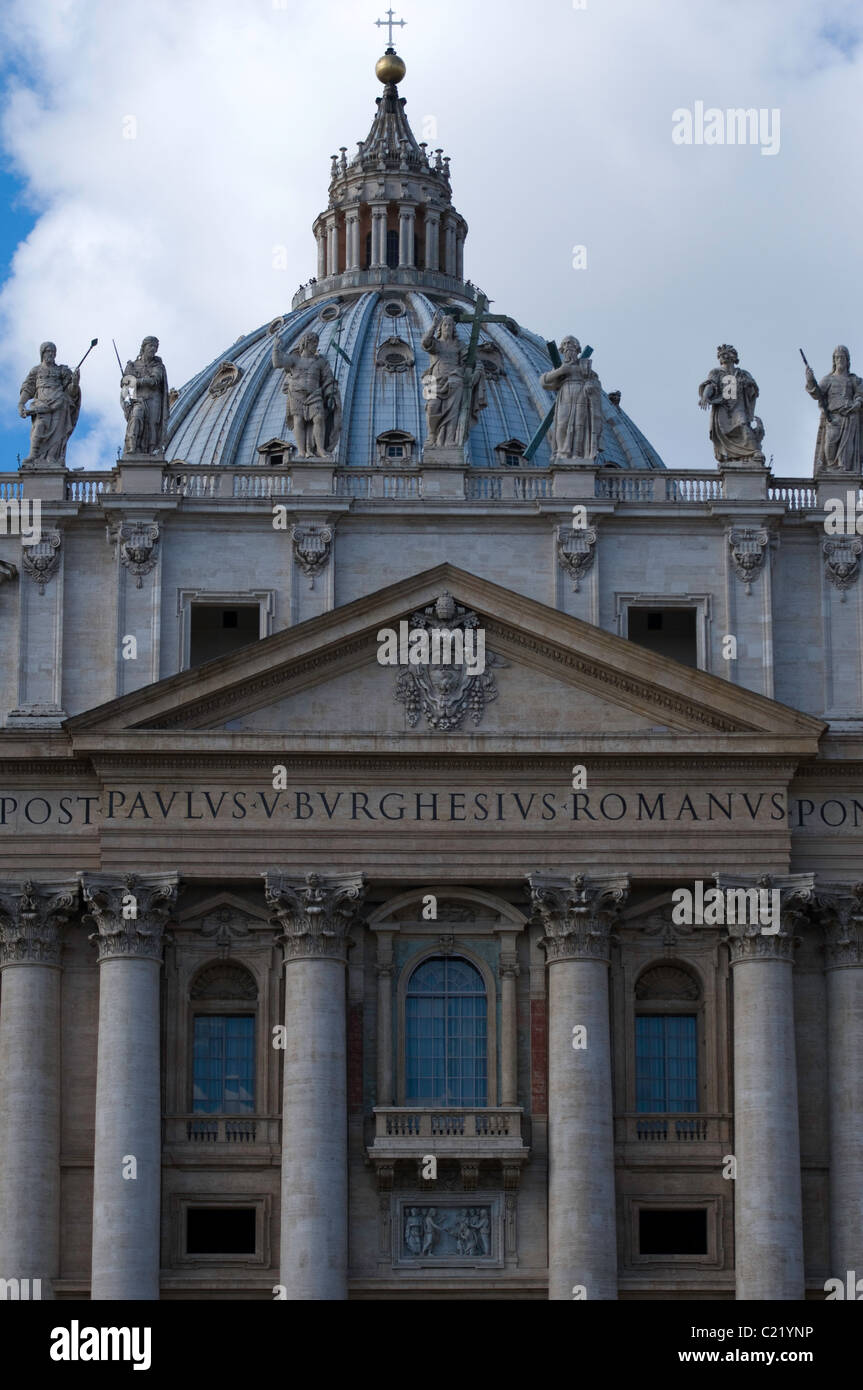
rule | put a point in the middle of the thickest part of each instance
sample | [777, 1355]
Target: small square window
[220, 1231]
[395, 451]
[671, 1232]
[512, 460]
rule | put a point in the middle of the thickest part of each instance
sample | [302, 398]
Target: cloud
[558, 122]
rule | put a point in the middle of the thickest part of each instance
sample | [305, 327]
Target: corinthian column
[768, 1216]
[577, 916]
[842, 909]
[129, 915]
[31, 918]
[315, 915]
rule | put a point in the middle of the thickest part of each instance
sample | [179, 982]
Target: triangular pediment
[553, 675]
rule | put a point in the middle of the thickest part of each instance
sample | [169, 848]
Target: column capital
[839, 910]
[577, 914]
[129, 912]
[748, 941]
[32, 916]
[314, 913]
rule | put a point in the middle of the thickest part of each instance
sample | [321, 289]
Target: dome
[225, 416]
[390, 256]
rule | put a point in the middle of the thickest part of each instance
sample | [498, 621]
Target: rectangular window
[672, 1232]
[666, 1073]
[220, 1230]
[670, 632]
[395, 451]
[217, 631]
[224, 1064]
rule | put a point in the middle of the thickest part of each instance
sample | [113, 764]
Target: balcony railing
[243, 484]
[208, 1131]
[673, 1129]
[449, 1124]
[656, 486]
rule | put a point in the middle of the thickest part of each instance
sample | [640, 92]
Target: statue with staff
[839, 446]
[50, 397]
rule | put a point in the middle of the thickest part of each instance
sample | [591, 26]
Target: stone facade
[282, 830]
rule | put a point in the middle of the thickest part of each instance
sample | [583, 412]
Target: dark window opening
[220, 1231]
[218, 631]
[395, 451]
[512, 460]
[392, 250]
[670, 632]
[672, 1232]
[368, 250]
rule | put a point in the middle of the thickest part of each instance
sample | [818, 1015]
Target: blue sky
[558, 120]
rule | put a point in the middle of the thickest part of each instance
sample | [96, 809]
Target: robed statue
[839, 446]
[314, 403]
[730, 393]
[454, 392]
[144, 397]
[576, 431]
[51, 397]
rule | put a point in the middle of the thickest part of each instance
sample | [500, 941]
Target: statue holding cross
[576, 428]
[453, 386]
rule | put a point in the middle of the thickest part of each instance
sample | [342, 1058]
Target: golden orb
[390, 68]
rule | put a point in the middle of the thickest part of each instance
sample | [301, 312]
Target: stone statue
[576, 431]
[144, 397]
[446, 383]
[839, 446]
[51, 396]
[314, 403]
[413, 1231]
[730, 394]
[430, 1230]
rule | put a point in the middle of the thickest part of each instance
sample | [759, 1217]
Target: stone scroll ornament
[730, 394]
[577, 914]
[748, 549]
[314, 913]
[139, 542]
[842, 562]
[129, 912]
[839, 445]
[41, 560]
[446, 693]
[312, 549]
[32, 916]
[144, 398]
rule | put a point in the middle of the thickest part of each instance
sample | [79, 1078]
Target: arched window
[224, 1001]
[666, 1041]
[446, 1034]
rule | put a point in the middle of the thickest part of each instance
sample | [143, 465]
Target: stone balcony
[471, 1138]
[702, 1136]
[192, 1139]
